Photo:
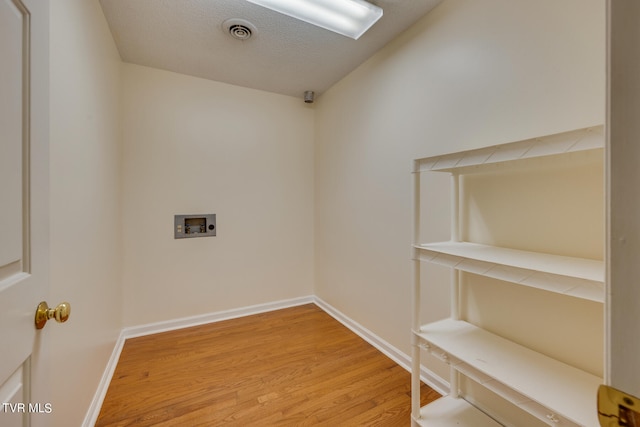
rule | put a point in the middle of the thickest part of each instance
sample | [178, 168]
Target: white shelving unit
[552, 391]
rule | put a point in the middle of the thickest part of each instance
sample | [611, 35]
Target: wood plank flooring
[291, 367]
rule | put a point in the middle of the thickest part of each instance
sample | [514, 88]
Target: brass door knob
[60, 313]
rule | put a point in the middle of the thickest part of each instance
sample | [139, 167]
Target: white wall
[469, 74]
[85, 156]
[197, 146]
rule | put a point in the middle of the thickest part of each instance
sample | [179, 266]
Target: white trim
[96, 404]
[430, 378]
[202, 319]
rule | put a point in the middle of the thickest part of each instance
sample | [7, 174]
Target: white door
[623, 217]
[24, 189]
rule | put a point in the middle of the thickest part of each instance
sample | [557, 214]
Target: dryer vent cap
[309, 96]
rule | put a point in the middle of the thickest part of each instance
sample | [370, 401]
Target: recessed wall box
[194, 226]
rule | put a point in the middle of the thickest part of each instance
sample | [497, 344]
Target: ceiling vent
[239, 29]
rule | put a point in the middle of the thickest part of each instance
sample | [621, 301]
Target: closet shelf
[577, 277]
[545, 386]
[448, 411]
[566, 142]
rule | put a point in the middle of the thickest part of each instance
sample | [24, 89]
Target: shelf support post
[415, 320]
[416, 237]
[455, 237]
[455, 208]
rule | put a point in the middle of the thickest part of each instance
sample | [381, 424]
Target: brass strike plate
[616, 408]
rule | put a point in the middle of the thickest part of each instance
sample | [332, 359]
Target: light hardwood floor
[291, 367]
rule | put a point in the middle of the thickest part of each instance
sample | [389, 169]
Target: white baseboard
[428, 377]
[96, 404]
[187, 322]
[402, 359]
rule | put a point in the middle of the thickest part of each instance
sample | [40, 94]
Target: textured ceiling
[284, 55]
